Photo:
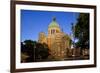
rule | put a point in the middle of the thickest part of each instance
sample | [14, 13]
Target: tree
[29, 48]
[82, 30]
[36, 51]
[43, 50]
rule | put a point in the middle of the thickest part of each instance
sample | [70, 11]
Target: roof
[53, 23]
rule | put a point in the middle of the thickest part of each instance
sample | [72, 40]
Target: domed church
[57, 41]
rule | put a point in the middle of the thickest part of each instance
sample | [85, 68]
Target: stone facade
[57, 41]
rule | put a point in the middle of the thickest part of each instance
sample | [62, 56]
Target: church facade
[57, 41]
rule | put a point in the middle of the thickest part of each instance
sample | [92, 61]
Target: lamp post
[34, 52]
[73, 40]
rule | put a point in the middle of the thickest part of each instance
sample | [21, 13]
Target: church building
[57, 41]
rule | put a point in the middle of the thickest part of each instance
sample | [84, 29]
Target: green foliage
[82, 30]
[36, 51]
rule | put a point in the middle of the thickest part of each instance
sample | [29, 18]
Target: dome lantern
[53, 23]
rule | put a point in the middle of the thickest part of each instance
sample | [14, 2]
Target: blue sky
[33, 22]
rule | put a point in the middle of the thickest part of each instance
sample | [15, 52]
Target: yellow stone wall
[57, 41]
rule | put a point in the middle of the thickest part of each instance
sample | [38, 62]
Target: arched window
[53, 31]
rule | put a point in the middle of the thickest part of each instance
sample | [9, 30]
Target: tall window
[52, 31]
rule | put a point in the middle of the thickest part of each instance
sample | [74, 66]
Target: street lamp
[73, 40]
[34, 52]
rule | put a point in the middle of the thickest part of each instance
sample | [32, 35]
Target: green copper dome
[53, 23]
